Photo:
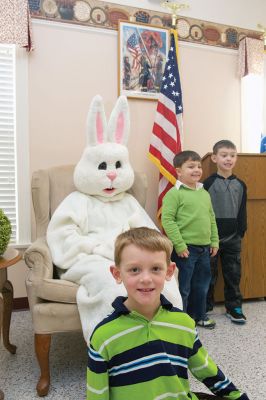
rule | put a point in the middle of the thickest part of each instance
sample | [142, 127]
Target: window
[252, 112]
[14, 160]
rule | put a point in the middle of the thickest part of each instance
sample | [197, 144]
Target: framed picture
[142, 53]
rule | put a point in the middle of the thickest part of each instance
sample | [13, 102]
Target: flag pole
[174, 7]
[144, 46]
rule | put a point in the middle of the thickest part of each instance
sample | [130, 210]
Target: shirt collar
[178, 184]
[120, 307]
[222, 177]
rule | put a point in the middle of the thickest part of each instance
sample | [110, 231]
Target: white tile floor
[240, 351]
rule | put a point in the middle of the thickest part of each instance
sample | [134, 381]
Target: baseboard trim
[21, 303]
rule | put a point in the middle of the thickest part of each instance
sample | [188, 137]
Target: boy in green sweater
[189, 222]
[144, 349]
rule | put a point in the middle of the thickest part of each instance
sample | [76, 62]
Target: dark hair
[223, 143]
[183, 156]
[144, 238]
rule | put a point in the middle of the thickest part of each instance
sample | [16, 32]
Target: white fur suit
[83, 228]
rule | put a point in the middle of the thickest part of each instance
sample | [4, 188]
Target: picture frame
[142, 55]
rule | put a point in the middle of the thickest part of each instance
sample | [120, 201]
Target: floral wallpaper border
[106, 15]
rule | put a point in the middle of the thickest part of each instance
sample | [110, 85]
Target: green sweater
[188, 218]
[132, 358]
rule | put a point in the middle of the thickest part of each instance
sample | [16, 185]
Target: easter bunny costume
[83, 229]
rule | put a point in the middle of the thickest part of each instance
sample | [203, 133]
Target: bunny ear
[96, 122]
[118, 126]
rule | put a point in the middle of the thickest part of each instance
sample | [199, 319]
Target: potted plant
[5, 231]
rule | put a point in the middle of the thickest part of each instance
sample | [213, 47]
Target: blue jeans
[194, 278]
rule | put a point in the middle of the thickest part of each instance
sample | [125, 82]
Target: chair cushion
[55, 317]
[57, 290]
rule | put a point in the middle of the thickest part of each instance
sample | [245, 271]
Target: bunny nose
[111, 175]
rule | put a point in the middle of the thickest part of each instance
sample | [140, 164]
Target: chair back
[50, 186]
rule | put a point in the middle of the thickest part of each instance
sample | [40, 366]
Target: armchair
[52, 301]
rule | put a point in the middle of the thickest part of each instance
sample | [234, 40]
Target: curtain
[251, 57]
[15, 23]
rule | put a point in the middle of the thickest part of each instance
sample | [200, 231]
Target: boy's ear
[116, 273]
[170, 271]
[178, 171]
[213, 158]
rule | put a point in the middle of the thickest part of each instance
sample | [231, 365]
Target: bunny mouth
[109, 190]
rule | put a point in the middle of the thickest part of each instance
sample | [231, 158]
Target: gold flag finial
[174, 7]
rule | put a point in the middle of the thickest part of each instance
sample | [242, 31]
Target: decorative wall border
[106, 15]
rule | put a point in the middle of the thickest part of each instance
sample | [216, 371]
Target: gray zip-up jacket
[229, 198]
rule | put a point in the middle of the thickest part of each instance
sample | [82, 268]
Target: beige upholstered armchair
[53, 301]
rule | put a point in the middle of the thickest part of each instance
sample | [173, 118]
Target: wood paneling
[251, 168]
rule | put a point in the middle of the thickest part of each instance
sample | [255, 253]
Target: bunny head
[104, 168]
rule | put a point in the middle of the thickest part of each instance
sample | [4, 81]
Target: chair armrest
[38, 258]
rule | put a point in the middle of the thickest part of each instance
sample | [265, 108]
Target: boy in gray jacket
[229, 196]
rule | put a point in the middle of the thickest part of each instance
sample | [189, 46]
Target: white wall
[264, 101]
[211, 92]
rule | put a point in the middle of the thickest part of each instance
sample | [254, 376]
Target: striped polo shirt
[132, 358]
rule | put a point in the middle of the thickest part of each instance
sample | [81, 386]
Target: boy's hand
[213, 251]
[183, 254]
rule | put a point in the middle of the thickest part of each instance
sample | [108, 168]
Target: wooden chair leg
[7, 293]
[42, 349]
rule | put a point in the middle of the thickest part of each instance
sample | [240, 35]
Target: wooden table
[10, 257]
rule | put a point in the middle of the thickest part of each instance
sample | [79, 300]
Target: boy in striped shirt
[143, 350]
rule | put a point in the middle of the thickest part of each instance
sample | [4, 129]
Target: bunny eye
[103, 165]
[118, 164]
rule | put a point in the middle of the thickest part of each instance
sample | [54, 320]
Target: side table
[10, 257]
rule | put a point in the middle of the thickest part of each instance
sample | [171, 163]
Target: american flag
[167, 128]
[135, 50]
